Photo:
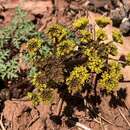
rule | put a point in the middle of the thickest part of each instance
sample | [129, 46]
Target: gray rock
[117, 16]
[125, 27]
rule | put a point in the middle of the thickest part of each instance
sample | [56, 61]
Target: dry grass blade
[1, 123]
[125, 119]
[59, 107]
[82, 126]
[105, 120]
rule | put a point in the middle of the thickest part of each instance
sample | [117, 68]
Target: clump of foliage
[19, 31]
[117, 36]
[73, 57]
[103, 21]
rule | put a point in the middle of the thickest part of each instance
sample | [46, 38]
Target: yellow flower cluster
[77, 79]
[101, 35]
[94, 62]
[34, 44]
[86, 36]
[112, 49]
[42, 95]
[103, 21]
[66, 47]
[38, 80]
[117, 36]
[57, 33]
[80, 23]
[110, 79]
[42, 92]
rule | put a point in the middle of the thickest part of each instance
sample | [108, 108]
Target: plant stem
[59, 107]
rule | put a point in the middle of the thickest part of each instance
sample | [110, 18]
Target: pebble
[125, 27]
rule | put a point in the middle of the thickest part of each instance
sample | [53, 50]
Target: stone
[125, 27]
[117, 16]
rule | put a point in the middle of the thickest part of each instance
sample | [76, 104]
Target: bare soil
[20, 114]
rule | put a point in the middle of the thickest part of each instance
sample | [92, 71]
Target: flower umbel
[34, 44]
[80, 23]
[117, 37]
[103, 21]
[67, 47]
[77, 79]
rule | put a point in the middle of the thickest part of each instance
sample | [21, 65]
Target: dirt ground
[20, 114]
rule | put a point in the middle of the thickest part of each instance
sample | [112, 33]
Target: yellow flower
[34, 44]
[77, 79]
[67, 47]
[86, 36]
[103, 21]
[57, 33]
[110, 78]
[101, 34]
[117, 36]
[39, 80]
[80, 23]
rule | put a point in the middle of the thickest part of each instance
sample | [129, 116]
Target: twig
[95, 120]
[1, 123]
[105, 120]
[101, 124]
[125, 119]
[33, 120]
[82, 126]
[59, 107]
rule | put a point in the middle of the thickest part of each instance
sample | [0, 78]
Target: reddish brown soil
[21, 115]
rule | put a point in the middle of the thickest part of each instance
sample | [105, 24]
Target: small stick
[105, 119]
[101, 124]
[125, 119]
[95, 120]
[59, 107]
[82, 126]
[33, 121]
[1, 123]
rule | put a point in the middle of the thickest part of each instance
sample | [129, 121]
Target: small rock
[125, 27]
[117, 16]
